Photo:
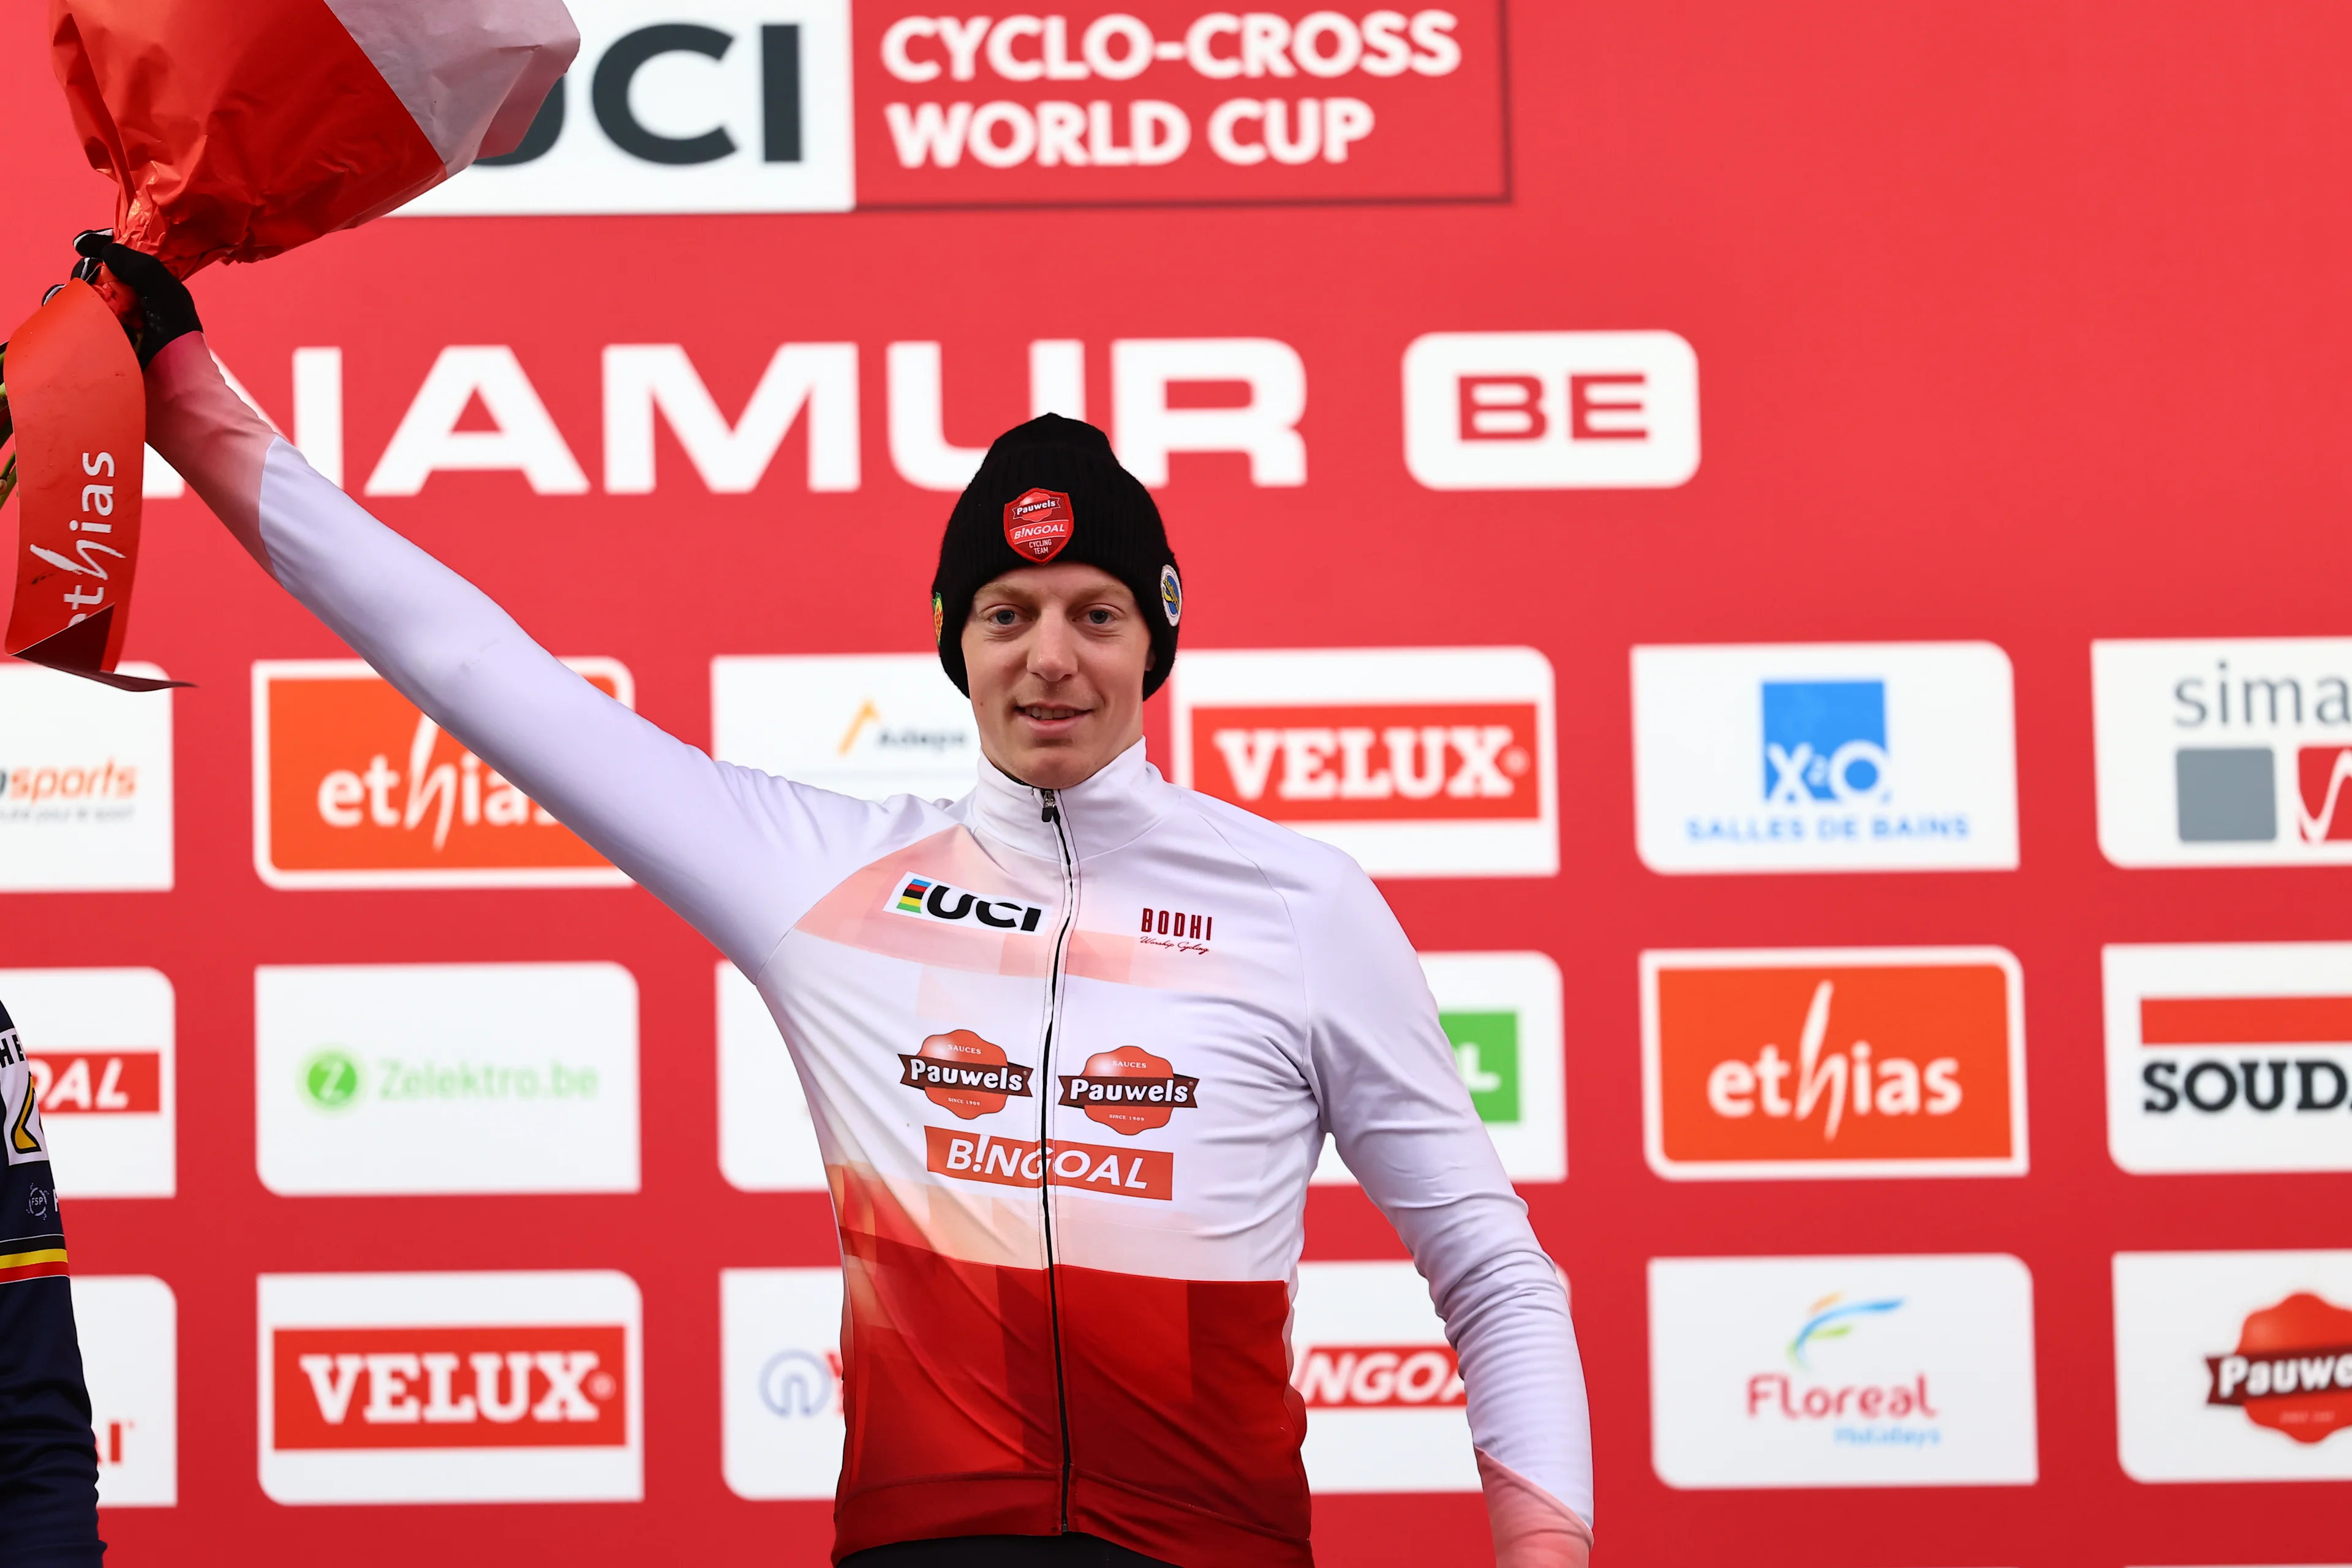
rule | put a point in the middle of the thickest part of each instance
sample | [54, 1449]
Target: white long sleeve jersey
[1071, 1059]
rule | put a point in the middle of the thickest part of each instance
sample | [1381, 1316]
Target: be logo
[735, 106]
[1550, 411]
[451, 1387]
[354, 789]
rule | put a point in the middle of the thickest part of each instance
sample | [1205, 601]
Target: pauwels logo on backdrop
[1167, 100]
[353, 787]
[1824, 757]
[780, 1405]
[873, 725]
[1858, 1062]
[1842, 1372]
[2224, 753]
[98, 1049]
[728, 106]
[85, 783]
[1550, 411]
[1371, 1360]
[2230, 1057]
[2234, 1366]
[421, 1388]
[1417, 761]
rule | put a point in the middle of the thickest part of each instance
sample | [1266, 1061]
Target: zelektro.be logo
[335, 1080]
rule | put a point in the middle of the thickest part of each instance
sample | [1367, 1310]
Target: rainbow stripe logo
[910, 897]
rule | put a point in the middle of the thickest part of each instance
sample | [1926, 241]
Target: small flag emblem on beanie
[1037, 524]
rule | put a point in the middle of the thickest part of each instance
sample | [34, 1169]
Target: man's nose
[1051, 650]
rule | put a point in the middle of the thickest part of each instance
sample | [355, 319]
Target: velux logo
[354, 789]
[929, 898]
[450, 1387]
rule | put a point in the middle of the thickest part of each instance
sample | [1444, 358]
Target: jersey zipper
[1050, 811]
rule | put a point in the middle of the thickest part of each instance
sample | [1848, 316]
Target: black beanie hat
[1051, 490]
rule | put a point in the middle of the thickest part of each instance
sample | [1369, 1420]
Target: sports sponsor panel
[446, 1078]
[873, 725]
[780, 1399]
[2234, 1366]
[728, 106]
[1842, 1372]
[1171, 100]
[100, 1047]
[1502, 1014]
[477, 1387]
[1833, 1062]
[85, 783]
[767, 1140]
[1824, 757]
[2217, 751]
[1385, 1407]
[1550, 411]
[128, 1326]
[2229, 1056]
[1417, 761]
[353, 787]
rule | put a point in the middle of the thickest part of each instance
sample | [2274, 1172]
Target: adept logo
[871, 725]
[929, 898]
[331, 1081]
[1486, 1050]
[1824, 740]
[1832, 1318]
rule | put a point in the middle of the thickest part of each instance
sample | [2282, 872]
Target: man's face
[1055, 657]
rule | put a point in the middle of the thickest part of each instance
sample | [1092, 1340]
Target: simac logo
[1550, 411]
[730, 106]
[929, 898]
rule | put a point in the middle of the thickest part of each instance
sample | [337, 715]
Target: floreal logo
[1800, 1394]
[930, 897]
[963, 1073]
[2292, 1369]
[1129, 1091]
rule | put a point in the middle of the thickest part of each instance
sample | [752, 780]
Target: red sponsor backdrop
[2021, 322]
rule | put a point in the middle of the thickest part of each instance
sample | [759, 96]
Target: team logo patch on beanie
[1172, 593]
[1037, 524]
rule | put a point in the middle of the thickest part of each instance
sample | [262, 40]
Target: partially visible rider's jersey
[1071, 1057]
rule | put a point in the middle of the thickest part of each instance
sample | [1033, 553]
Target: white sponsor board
[446, 1078]
[1550, 411]
[85, 783]
[480, 1387]
[1842, 1372]
[2224, 752]
[874, 725]
[2234, 1366]
[767, 1142]
[1824, 757]
[779, 1370]
[100, 1046]
[1384, 1400]
[129, 1326]
[735, 106]
[2229, 1056]
[1501, 1011]
[1417, 761]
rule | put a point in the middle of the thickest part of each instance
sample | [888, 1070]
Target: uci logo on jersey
[928, 898]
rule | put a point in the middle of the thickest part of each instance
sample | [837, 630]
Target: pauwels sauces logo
[2217, 753]
[354, 789]
[930, 898]
[873, 725]
[451, 1387]
[1038, 524]
[2230, 1057]
[98, 1064]
[1865, 1062]
[1165, 100]
[1418, 762]
[960, 1072]
[1129, 1091]
[2234, 1366]
[1842, 1372]
[1550, 411]
[1370, 1359]
[85, 783]
[1824, 757]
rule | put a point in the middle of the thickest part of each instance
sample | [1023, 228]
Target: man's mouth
[1048, 712]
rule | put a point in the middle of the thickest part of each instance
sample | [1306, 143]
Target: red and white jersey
[1071, 1057]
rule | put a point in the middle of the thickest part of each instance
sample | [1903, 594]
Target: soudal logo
[358, 789]
[929, 898]
[1385, 763]
[2292, 1369]
[489, 1387]
[1798, 1395]
[1859, 1062]
[1534, 411]
[1186, 931]
[1380, 1377]
[1022, 1163]
[1037, 524]
[1129, 1091]
[97, 1082]
[960, 1072]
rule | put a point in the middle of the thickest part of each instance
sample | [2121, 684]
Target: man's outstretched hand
[167, 309]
